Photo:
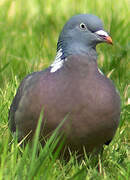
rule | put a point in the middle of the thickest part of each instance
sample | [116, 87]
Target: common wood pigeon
[71, 86]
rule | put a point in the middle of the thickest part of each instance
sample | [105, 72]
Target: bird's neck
[65, 50]
[76, 49]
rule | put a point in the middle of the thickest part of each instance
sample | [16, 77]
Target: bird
[73, 87]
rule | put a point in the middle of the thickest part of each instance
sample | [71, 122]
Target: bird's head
[81, 34]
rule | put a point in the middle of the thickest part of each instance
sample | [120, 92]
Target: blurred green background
[29, 31]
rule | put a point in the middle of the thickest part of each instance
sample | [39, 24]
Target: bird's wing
[16, 101]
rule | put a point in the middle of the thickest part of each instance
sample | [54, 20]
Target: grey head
[80, 35]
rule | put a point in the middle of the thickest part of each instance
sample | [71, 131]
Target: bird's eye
[83, 26]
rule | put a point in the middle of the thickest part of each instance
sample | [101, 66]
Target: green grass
[28, 35]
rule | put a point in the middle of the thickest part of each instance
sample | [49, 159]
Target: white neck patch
[58, 62]
[102, 33]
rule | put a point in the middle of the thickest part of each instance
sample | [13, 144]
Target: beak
[104, 36]
[109, 40]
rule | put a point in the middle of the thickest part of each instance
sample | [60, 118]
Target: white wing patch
[58, 62]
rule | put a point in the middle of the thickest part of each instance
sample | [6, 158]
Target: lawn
[28, 35]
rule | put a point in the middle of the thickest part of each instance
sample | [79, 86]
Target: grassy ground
[28, 36]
